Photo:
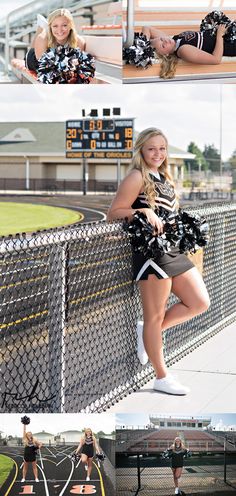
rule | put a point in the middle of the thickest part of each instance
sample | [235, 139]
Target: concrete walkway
[210, 372]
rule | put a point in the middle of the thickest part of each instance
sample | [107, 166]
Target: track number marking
[83, 489]
[27, 490]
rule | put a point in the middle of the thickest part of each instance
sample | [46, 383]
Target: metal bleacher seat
[172, 20]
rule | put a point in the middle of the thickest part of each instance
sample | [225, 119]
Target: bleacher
[98, 21]
[173, 20]
[158, 441]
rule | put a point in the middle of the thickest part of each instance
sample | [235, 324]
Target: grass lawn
[25, 217]
[6, 465]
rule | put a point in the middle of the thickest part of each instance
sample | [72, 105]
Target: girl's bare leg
[154, 294]
[38, 31]
[90, 464]
[25, 469]
[190, 288]
[35, 470]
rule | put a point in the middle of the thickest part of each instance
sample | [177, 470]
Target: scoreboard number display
[99, 138]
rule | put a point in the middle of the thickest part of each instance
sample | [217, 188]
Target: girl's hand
[222, 29]
[154, 220]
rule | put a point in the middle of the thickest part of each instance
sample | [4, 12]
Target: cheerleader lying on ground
[216, 38]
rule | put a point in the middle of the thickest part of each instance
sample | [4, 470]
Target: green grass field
[6, 465]
[25, 217]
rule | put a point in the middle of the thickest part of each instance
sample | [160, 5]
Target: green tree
[212, 157]
[232, 160]
[199, 160]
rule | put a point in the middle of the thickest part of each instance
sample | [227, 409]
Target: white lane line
[80, 460]
[65, 458]
[50, 451]
[94, 210]
[45, 481]
[40, 456]
[68, 480]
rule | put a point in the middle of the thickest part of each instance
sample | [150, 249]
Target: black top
[177, 456]
[165, 198]
[204, 41]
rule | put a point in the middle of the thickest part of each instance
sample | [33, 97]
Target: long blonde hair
[182, 446]
[168, 65]
[139, 164]
[26, 439]
[72, 38]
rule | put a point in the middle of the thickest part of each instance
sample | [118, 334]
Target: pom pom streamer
[25, 420]
[65, 65]
[182, 230]
[141, 53]
[211, 22]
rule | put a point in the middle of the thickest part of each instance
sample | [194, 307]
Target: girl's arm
[80, 445]
[197, 56]
[81, 43]
[127, 193]
[38, 444]
[41, 44]
[24, 432]
[151, 32]
[97, 449]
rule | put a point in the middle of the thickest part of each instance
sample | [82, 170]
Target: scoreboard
[99, 138]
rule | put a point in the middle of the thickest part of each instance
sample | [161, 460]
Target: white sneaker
[176, 490]
[170, 385]
[36, 480]
[22, 480]
[42, 22]
[87, 478]
[141, 352]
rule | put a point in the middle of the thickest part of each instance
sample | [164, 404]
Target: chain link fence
[69, 308]
[148, 474]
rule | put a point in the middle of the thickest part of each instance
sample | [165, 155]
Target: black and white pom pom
[65, 65]
[193, 232]
[181, 229]
[212, 20]
[141, 53]
[25, 420]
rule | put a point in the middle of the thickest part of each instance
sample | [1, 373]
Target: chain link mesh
[69, 310]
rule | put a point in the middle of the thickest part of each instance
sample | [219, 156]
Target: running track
[58, 475]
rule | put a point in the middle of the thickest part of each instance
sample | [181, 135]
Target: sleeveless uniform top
[165, 197]
[204, 41]
[88, 447]
[30, 452]
[177, 456]
[172, 263]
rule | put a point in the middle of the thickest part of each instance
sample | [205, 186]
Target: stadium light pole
[220, 136]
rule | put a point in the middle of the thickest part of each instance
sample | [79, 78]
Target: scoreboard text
[99, 138]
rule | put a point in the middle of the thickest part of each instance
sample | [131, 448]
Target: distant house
[32, 156]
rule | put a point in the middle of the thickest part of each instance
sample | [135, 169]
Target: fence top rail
[86, 231]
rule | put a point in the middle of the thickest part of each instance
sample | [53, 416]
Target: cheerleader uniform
[30, 452]
[88, 447]
[177, 456]
[204, 41]
[172, 263]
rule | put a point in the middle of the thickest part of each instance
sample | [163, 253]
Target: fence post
[225, 475]
[56, 325]
[139, 473]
